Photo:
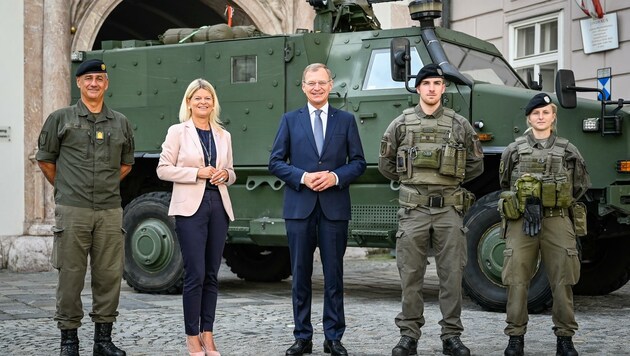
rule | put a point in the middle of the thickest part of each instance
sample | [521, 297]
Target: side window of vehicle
[244, 69]
[378, 75]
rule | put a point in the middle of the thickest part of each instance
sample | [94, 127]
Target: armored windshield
[481, 66]
[474, 64]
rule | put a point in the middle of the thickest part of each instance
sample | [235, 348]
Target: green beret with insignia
[91, 66]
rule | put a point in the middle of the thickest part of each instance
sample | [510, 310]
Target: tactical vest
[429, 154]
[541, 173]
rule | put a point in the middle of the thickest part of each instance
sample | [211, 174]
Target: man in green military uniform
[85, 150]
[543, 176]
[431, 151]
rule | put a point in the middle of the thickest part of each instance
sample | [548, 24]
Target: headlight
[590, 124]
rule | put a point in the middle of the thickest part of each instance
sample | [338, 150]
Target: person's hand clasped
[220, 176]
[319, 181]
[216, 176]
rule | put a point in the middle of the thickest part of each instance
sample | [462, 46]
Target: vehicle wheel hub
[152, 245]
[490, 253]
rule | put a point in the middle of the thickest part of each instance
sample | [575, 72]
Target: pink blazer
[182, 157]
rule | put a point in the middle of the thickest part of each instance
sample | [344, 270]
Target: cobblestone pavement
[256, 318]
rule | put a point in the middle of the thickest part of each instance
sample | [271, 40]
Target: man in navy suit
[317, 153]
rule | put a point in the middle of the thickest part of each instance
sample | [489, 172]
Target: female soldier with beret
[543, 176]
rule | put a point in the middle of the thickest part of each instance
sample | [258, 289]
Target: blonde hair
[554, 110]
[184, 110]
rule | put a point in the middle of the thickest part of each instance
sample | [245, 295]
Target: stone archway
[87, 17]
[269, 16]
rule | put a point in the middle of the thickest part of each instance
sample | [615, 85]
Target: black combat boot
[69, 343]
[455, 347]
[406, 346]
[515, 346]
[103, 345]
[564, 347]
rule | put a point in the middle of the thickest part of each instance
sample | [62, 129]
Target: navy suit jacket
[294, 153]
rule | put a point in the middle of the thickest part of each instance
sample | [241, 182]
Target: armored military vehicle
[259, 77]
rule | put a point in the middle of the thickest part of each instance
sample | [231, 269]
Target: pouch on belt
[578, 216]
[508, 205]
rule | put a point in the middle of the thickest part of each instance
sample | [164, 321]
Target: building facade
[542, 36]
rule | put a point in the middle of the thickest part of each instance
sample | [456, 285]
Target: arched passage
[95, 21]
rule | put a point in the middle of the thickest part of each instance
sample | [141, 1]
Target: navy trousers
[304, 236]
[201, 239]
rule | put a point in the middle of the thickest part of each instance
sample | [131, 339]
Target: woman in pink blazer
[197, 157]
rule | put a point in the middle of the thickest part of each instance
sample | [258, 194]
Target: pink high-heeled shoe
[208, 352]
[198, 353]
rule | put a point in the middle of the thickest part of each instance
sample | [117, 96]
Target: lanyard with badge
[206, 150]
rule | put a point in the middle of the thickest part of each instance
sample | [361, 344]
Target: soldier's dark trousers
[412, 245]
[79, 233]
[557, 245]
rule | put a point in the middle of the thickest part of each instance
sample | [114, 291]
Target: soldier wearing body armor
[431, 151]
[542, 176]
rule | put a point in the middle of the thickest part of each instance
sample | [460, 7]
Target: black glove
[532, 216]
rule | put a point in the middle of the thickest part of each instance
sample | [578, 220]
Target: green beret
[538, 101]
[91, 66]
[429, 71]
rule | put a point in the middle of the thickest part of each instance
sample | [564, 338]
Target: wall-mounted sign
[604, 76]
[600, 34]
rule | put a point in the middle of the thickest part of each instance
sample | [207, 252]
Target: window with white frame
[534, 48]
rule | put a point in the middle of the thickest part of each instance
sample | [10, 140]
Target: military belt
[434, 201]
[550, 212]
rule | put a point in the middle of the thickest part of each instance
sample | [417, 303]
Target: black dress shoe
[300, 347]
[335, 348]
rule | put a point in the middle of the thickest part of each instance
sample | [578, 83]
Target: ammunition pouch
[548, 193]
[527, 186]
[468, 199]
[578, 216]
[453, 161]
[556, 192]
[425, 158]
[508, 205]
[564, 193]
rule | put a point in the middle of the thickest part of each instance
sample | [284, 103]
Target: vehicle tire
[258, 263]
[605, 266]
[482, 274]
[153, 261]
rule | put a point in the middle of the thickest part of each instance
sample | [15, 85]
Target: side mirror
[565, 89]
[400, 59]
